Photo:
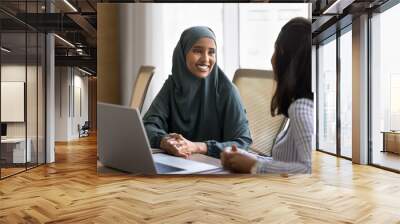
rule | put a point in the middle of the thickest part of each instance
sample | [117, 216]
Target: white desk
[105, 171]
[18, 149]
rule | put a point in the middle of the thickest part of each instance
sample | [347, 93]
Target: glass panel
[41, 98]
[327, 97]
[22, 90]
[346, 94]
[385, 84]
[13, 86]
[31, 97]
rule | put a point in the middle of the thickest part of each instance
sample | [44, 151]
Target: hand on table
[177, 145]
[237, 160]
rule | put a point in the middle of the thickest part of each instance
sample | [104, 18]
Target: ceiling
[75, 22]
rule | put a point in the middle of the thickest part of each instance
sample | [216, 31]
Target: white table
[19, 154]
[103, 170]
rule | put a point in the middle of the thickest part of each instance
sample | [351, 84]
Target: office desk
[13, 150]
[391, 141]
[102, 170]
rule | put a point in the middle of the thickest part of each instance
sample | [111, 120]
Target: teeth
[203, 68]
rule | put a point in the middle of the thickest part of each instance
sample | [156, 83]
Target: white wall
[141, 45]
[61, 103]
[81, 83]
[69, 84]
[16, 72]
[13, 72]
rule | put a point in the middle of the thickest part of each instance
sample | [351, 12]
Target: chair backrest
[86, 125]
[256, 88]
[140, 86]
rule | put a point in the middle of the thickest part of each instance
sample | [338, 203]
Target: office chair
[140, 86]
[84, 130]
[256, 88]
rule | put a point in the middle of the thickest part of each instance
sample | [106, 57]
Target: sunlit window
[327, 97]
[385, 86]
[259, 26]
[346, 94]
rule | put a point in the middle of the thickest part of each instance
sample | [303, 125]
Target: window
[385, 86]
[346, 94]
[259, 26]
[326, 96]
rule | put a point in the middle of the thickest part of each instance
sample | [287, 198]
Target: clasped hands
[233, 158]
[175, 144]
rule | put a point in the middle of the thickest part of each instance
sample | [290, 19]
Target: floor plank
[70, 191]
[387, 159]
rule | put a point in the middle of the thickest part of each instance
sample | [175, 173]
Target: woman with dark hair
[198, 110]
[291, 63]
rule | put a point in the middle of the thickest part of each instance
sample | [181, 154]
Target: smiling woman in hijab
[198, 110]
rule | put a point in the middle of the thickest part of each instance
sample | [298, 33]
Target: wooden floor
[387, 159]
[70, 191]
[10, 171]
[5, 172]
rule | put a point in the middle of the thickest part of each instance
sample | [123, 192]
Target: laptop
[122, 144]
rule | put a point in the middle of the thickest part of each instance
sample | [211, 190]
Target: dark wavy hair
[292, 65]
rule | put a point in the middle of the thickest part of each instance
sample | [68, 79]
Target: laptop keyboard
[162, 168]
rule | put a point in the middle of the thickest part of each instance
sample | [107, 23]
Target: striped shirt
[292, 150]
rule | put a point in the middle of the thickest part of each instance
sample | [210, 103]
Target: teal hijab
[192, 94]
[201, 109]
